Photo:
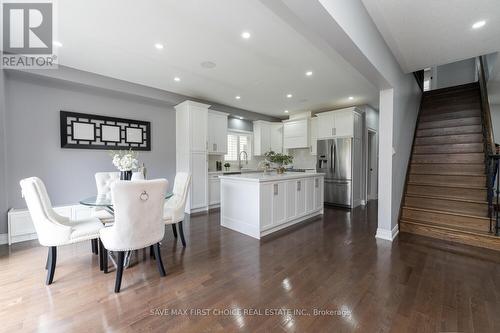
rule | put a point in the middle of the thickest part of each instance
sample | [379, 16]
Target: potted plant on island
[279, 159]
[125, 161]
[227, 166]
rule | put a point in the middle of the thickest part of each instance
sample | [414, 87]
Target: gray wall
[456, 73]
[3, 162]
[33, 105]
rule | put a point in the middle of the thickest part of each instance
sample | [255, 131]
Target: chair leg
[48, 259]
[119, 270]
[151, 252]
[174, 229]
[159, 262]
[94, 246]
[101, 258]
[181, 231]
[104, 253]
[51, 264]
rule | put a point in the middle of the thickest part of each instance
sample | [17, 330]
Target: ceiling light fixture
[238, 97]
[309, 73]
[351, 98]
[479, 24]
[289, 95]
[245, 35]
[286, 111]
[57, 43]
[241, 118]
[159, 46]
[177, 79]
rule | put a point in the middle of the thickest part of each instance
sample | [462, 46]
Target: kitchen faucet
[239, 159]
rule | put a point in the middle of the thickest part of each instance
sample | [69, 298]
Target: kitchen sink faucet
[239, 159]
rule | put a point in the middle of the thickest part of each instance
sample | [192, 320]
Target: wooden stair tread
[445, 198]
[447, 213]
[450, 228]
[464, 186]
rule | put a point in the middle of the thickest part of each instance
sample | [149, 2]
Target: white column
[384, 230]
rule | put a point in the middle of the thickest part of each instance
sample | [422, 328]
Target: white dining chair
[103, 181]
[138, 222]
[173, 210]
[52, 229]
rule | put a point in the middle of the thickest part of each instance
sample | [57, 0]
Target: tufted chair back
[138, 207]
[174, 207]
[104, 180]
[52, 229]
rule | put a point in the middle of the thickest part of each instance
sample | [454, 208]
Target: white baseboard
[385, 234]
[4, 238]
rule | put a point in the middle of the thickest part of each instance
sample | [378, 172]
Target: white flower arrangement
[125, 160]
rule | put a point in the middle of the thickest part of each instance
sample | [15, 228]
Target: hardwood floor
[331, 263]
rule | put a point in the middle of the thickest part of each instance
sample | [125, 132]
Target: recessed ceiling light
[57, 43]
[238, 97]
[245, 35]
[309, 73]
[177, 79]
[241, 118]
[159, 46]
[479, 24]
[286, 111]
[351, 98]
[289, 95]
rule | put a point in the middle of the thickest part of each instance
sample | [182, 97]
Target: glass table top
[103, 201]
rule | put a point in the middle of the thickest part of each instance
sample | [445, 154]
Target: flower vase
[126, 175]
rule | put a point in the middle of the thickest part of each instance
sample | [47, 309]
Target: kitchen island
[259, 204]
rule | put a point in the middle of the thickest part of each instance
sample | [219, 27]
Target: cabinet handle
[275, 189]
[299, 185]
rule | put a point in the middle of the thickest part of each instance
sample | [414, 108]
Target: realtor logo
[27, 35]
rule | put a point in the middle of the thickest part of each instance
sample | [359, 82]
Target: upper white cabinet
[296, 133]
[261, 137]
[277, 137]
[217, 132]
[314, 135]
[339, 123]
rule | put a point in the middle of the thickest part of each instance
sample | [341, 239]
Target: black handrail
[494, 188]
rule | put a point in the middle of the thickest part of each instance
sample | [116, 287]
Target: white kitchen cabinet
[338, 123]
[301, 197]
[279, 203]
[277, 137]
[217, 132]
[291, 195]
[296, 133]
[213, 190]
[309, 190]
[318, 193]
[261, 137]
[191, 119]
[314, 135]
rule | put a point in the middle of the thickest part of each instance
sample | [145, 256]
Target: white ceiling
[426, 33]
[116, 38]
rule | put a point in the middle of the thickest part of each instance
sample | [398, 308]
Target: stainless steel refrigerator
[335, 161]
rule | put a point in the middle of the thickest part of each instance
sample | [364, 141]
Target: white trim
[385, 234]
[3, 239]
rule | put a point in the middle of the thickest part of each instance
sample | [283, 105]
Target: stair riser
[449, 139]
[448, 180]
[449, 148]
[449, 158]
[458, 193]
[444, 108]
[449, 169]
[449, 130]
[450, 123]
[447, 220]
[456, 237]
[469, 208]
[439, 101]
[451, 115]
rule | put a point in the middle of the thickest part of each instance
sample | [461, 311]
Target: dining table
[106, 203]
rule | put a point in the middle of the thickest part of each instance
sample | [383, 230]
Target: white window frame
[239, 133]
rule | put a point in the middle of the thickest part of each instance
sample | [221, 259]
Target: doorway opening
[372, 174]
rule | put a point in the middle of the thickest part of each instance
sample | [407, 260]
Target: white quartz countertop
[261, 177]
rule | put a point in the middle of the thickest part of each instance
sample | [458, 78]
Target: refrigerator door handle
[334, 157]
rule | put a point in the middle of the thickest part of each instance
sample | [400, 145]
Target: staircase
[446, 193]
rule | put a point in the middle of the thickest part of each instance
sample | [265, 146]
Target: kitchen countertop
[261, 177]
[212, 172]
